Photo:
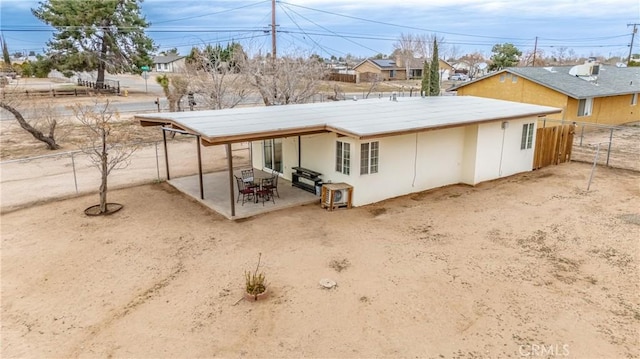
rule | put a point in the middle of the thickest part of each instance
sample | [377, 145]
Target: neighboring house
[587, 93]
[168, 63]
[382, 148]
[390, 69]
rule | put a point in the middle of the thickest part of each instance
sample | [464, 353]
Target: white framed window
[634, 99]
[343, 157]
[514, 79]
[369, 154]
[585, 106]
[392, 73]
[527, 136]
[502, 78]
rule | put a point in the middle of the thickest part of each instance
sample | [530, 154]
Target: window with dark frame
[585, 106]
[369, 153]
[527, 136]
[343, 157]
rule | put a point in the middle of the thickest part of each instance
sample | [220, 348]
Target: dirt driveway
[527, 266]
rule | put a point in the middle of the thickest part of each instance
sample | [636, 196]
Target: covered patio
[216, 195]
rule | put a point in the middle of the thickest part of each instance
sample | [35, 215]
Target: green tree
[217, 56]
[105, 35]
[424, 85]
[434, 72]
[504, 55]
[42, 66]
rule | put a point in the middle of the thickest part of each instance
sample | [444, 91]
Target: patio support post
[230, 166]
[166, 155]
[200, 167]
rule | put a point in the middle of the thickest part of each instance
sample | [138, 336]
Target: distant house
[588, 93]
[168, 63]
[394, 69]
[472, 70]
[382, 148]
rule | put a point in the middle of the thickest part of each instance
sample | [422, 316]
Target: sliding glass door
[272, 150]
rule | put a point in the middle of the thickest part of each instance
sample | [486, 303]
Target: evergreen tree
[5, 53]
[105, 35]
[434, 72]
[424, 88]
[505, 55]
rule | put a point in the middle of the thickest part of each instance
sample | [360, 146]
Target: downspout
[504, 126]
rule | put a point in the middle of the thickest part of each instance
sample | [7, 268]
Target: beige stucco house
[394, 69]
[587, 93]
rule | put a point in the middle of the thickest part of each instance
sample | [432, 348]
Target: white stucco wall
[414, 162]
[497, 158]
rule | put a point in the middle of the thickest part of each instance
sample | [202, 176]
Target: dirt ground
[527, 266]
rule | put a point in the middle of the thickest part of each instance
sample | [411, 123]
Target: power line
[396, 25]
[214, 13]
[365, 47]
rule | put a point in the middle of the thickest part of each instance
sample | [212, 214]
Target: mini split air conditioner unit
[340, 197]
[336, 195]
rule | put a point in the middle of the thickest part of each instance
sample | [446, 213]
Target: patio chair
[247, 193]
[266, 190]
[274, 183]
[247, 176]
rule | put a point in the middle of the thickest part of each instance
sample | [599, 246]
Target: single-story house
[168, 63]
[587, 93]
[382, 147]
[394, 69]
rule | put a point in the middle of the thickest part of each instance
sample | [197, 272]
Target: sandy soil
[527, 266]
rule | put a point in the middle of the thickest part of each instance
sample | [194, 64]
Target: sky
[364, 28]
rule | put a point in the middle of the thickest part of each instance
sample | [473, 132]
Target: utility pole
[535, 49]
[273, 50]
[273, 29]
[633, 35]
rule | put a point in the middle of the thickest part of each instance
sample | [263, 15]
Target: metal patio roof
[362, 119]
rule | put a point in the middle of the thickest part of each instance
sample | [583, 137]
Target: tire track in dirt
[138, 300]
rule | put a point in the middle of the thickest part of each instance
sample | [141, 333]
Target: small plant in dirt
[255, 282]
[340, 265]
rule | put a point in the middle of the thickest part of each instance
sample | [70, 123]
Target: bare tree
[218, 80]
[289, 80]
[451, 53]
[530, 58]
[423, 45]
[473, 60]
[41, 128]
[374, 80]
[560, 54]
[404, 51]
[107, 148]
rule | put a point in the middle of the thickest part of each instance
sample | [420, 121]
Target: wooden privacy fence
[553, 145]
[342, 77]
